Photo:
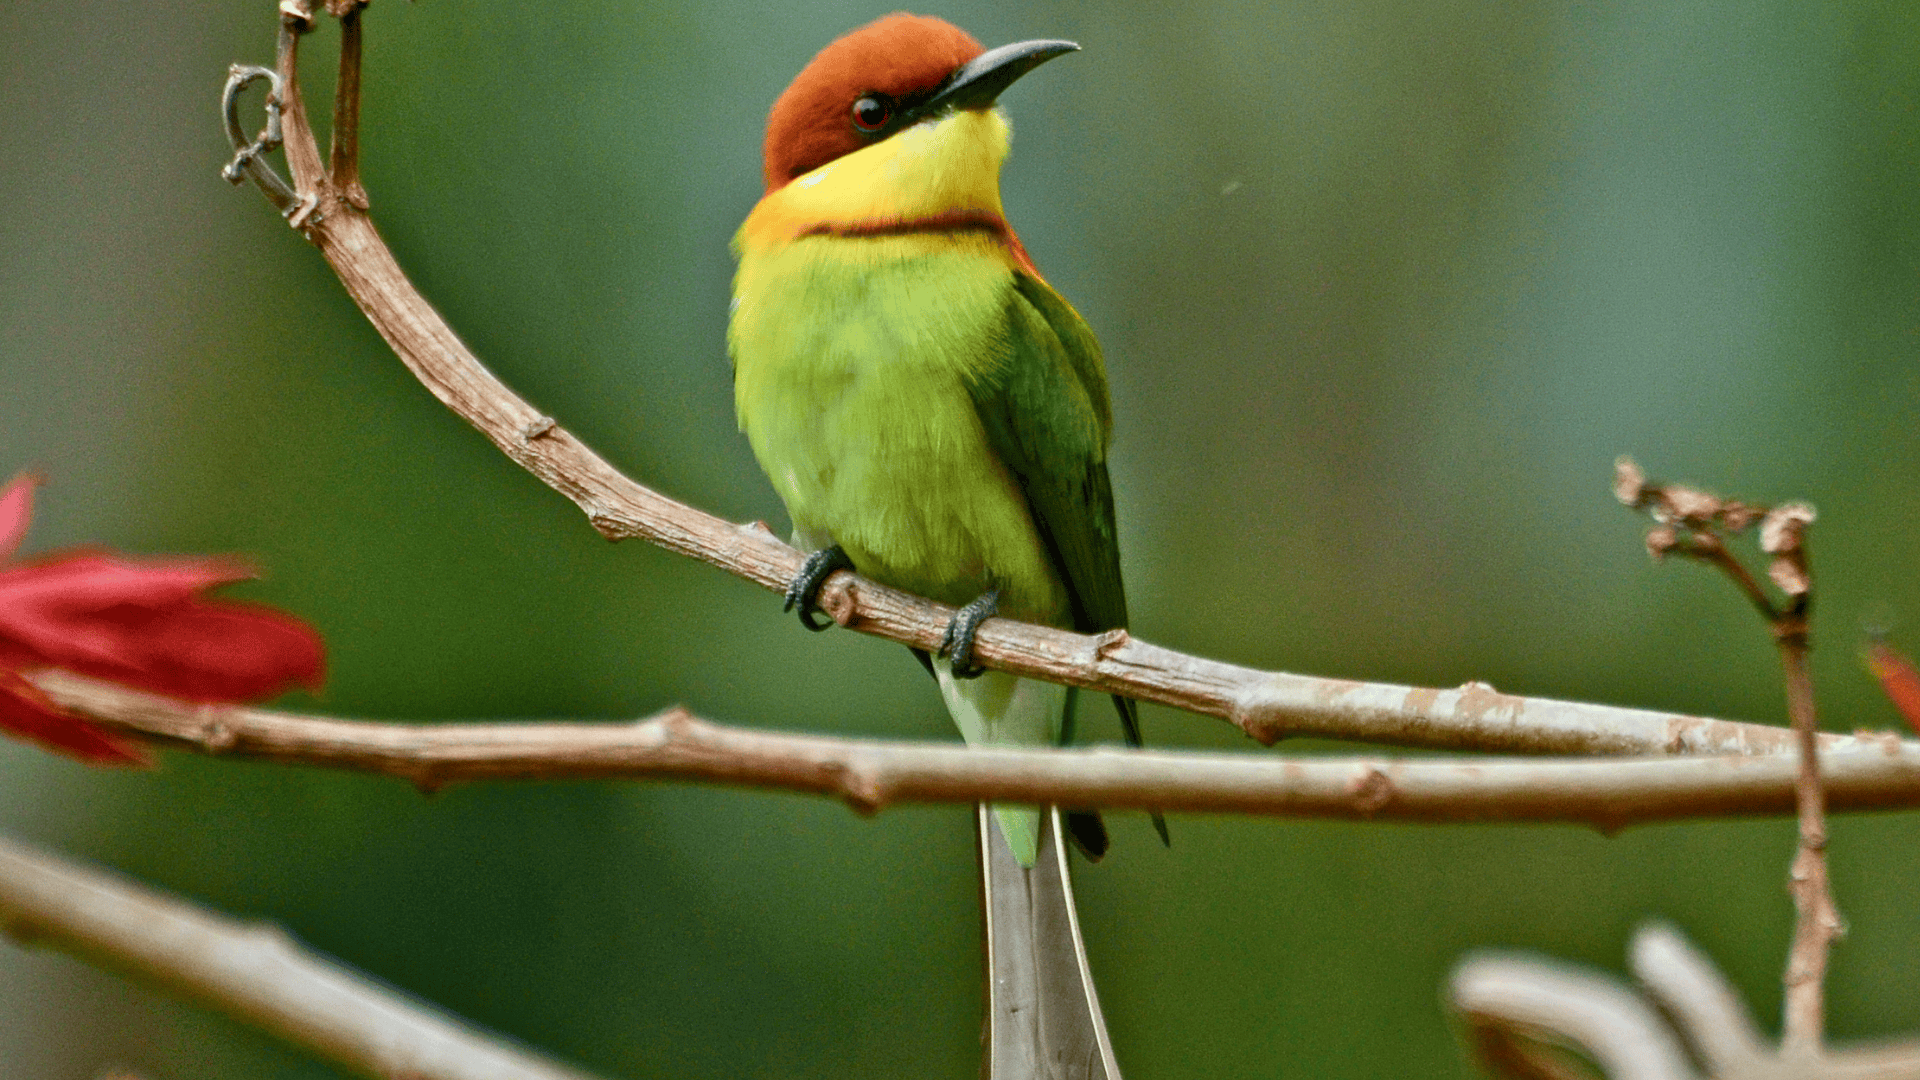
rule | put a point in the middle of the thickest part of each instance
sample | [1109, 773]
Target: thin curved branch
[1704, 1006]
[1563, 1003]
[870, 775]
[1542, 999]
[1267, 705]
[254, 972]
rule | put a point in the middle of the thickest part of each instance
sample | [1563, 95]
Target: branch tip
[1629, 482]
[246, 163]
[1680, 504]
[297, 15]
[1783, 530]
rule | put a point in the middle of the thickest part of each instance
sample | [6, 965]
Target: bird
[936, 417]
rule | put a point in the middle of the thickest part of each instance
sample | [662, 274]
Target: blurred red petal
[145, 623]
[83, 580]
[27, 713]
[16, 511]
[52, 608]
[1898, 679]
[211, 650]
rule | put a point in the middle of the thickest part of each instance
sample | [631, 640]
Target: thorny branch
[1695, 524]
[252, 971]
[871, 775]
[331, 212]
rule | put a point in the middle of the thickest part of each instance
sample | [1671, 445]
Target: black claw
[804, 591]
[957, 645]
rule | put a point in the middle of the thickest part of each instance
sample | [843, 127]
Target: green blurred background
[1384, 287]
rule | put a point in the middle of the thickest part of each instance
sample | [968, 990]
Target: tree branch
[1703, 1005]
[1616, 1027]
[1817, 919]
[1267, 705]
[871, 775]
[1695, 524]
[253, 972]
[1517, 998]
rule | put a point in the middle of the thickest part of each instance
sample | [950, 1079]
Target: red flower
[143, 623]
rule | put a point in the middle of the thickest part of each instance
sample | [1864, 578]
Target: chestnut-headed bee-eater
[935, 417]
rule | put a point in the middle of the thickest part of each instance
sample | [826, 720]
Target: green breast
[852, 358]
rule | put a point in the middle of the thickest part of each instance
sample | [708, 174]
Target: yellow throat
[946, 166]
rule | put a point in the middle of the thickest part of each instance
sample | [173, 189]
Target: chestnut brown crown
[844, 99]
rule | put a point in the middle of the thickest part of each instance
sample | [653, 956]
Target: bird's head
[885, 78]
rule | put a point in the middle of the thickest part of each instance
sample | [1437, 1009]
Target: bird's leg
[804, 590]
[957, 645]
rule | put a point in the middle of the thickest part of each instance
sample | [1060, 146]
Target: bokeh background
[1385, 286]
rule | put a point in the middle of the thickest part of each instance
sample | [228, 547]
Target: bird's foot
[804, 591]
[957, 645]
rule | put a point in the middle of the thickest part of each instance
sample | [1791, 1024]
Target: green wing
[1046, 415]
[1048, 418]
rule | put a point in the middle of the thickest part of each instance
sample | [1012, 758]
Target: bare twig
[1704, 1006]
[1817, 919]
[1511, 999]
[871, 775]
[1537, 998]
[1693, 523]
[246, 163]
[1267, 705]
[344, 163]
[254, 972]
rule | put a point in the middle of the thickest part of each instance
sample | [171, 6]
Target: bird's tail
[998, 709]
[1043, 1017]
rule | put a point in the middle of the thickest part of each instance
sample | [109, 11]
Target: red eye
[871, 113]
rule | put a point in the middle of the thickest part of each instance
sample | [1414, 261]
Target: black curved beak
[978, 83]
